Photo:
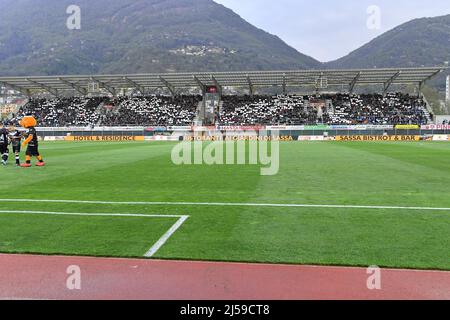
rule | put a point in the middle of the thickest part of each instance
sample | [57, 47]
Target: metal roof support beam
[104, 85]
[167, 85]
[217, 84]
[17, 88]
[421, 85]
[199, 83]
[140, 88]
[354, 82]
[431, 76]
[250, 86]
[390, 81]
[46, 88]
[74, 86]
[319, 82]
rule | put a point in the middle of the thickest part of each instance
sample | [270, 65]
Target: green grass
[81, 235]
[373, 174]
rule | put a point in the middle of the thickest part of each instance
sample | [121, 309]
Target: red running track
[44, 277]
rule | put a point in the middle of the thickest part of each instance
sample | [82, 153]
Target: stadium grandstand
[394, 108]
[130, 100]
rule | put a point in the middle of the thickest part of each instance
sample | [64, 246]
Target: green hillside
[135, 36]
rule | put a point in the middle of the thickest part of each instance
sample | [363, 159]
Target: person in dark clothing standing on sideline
[16, 139]
[4, 142]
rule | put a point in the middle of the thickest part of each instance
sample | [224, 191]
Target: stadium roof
[299, 78]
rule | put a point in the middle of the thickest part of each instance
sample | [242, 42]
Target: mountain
[136, 36]
[420, 42]
[145, 36]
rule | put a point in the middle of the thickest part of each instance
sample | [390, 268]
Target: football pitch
[332, 203]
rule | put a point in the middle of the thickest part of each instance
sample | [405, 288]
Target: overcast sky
[330, 29]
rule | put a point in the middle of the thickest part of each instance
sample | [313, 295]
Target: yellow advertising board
[407, 127]
[377, 138]
[104, 138]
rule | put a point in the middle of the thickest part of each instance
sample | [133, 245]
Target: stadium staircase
[10, 115]
[198, 121]
[428, 116]
[329, 106]
[220, 107]
[100, 110]
[428, 111]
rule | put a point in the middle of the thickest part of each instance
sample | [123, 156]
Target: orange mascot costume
[31, 140]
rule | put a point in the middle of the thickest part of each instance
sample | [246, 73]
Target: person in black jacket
[15, 136]
[4, 142]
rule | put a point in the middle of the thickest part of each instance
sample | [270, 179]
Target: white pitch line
[231, 204]
[150, 253]
[92, 214]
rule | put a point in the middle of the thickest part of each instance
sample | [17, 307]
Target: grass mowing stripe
[93, 214]
[231, 204]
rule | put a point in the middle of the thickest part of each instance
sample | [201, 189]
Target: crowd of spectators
[61, 112]
[104, 111]
[394, 108]
[153, 110]
[264, 110]
[339, 109]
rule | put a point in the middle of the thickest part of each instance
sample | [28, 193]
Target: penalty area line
[150, 253]
[231, 204]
